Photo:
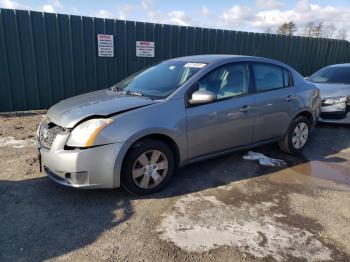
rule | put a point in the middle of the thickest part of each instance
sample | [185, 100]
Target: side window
[268, 77]
[227, 81]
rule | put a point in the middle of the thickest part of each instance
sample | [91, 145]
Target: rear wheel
[147, 168]
[297, 136]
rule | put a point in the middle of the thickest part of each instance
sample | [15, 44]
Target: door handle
[290, 98]
[244, 108]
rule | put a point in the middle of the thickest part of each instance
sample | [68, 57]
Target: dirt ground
[226, 209]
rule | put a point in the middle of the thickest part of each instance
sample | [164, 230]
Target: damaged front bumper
[95, 167]
[337, 113]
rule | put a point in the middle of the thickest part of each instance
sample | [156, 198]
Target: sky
[248, 15]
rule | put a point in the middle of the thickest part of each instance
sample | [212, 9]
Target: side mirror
[202, 97]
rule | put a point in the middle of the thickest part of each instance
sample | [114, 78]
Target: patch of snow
[198, 224]
[264, 160]
[345, 150]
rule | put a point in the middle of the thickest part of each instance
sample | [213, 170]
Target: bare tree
[308, 29]
[268, 30]
[317, 30]
[329, 31]
[288, 28]
[342, 34]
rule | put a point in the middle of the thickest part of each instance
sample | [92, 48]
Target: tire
[142, 172]
[294, 142]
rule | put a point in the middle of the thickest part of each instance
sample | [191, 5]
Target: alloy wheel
[150, 169]
[300, 135]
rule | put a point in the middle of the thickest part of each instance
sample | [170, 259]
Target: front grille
[47, 135]
[333, 115]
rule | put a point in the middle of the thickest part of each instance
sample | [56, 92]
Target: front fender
[166, 118]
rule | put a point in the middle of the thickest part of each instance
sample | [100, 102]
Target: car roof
[208, 59]
[340, 65]
[219, 59]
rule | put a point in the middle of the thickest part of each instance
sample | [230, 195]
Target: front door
[228, 121]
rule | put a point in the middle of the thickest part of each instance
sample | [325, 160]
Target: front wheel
[147, 168]
[297, 136]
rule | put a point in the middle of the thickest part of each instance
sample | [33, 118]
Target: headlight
[84, 134]
[335, 100]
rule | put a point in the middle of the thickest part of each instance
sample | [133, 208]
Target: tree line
[311, 29]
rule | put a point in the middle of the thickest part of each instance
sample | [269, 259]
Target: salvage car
[334, 84]
[136, 133]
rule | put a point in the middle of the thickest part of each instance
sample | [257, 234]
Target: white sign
[144, 49]
[105, 45]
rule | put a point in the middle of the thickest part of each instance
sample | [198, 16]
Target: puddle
[323, 171]
[314, 173]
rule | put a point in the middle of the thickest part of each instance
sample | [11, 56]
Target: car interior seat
[234, 84]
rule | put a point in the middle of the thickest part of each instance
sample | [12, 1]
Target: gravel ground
[226, 209]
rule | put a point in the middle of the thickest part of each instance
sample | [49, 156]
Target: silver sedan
[136, 133]
[334, 84]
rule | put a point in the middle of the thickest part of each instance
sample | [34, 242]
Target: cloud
[48, 8]
[238, 13]
[12, 5]
[51, 6]
[236, 18]
[205, 11]
[302, 13]
[56, 4]
[178, 18]
[148, 8]
[124, 11]
[264, 14]
[244, 17]
[102, 14]
[268, 4]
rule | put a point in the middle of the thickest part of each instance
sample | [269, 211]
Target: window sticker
[195, 65]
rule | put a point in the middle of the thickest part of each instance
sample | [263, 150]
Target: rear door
[227, 122]
[276, 101]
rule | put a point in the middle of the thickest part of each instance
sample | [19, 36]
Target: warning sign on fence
[144, 49]
[105, 44]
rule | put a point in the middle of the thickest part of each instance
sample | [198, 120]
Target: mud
[225, 209]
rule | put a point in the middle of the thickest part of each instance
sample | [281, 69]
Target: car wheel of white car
[297, 136]
[147, 167]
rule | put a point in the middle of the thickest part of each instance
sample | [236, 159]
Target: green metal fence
[48, 57]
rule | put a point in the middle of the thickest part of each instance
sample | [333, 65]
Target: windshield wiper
[115, 88]
[132, 93]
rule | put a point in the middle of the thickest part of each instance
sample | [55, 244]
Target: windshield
[160, 80]
[332, 75]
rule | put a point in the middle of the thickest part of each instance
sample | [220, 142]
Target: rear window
[332, 75]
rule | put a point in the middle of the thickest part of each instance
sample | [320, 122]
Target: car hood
[67, 113]
[333, 90]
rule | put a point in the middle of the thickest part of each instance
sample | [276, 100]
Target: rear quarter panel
[310, 99]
